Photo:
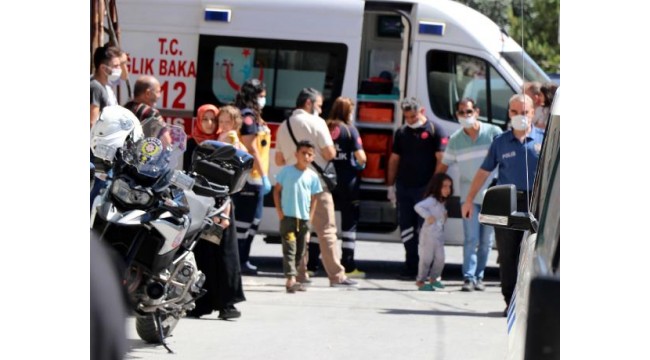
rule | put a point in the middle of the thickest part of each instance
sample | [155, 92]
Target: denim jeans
[476, 247]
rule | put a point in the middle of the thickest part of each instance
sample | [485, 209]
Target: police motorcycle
[152, 214]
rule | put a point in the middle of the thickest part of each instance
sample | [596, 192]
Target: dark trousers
[509, 247]
[346, 200]
[250, 203]
[220, 264]
[409, 224]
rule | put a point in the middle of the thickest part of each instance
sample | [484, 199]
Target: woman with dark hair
[350, 159]
[431, 248]
[219, 262]
[547, 92]
[256, 137]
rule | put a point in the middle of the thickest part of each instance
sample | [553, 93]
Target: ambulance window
[524, 65]
[299, 69]
[285, 67]
[452, 76]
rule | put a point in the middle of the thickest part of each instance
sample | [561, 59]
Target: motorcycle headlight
[128, 195]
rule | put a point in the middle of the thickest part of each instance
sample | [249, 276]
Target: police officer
[515, 153]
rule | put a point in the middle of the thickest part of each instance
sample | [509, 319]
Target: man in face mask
[418, 147]
[107, 70]
[467, 148]
[515, 153]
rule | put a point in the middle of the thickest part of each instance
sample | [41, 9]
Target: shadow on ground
[491, 314]
[374, 269]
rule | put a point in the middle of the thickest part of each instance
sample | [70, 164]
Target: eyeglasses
[466, 112]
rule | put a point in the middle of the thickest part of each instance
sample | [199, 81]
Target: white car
[534, 311]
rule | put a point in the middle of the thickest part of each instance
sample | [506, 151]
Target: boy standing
[294, 200]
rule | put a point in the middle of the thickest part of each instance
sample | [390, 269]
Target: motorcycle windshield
[153, 156]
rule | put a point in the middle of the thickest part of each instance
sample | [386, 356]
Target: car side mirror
[499, 209]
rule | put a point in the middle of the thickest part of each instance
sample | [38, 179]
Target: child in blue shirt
[294, 200]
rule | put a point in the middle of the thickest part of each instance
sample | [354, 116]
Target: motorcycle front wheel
[148, 331]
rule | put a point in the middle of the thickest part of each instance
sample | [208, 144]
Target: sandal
[296, 287]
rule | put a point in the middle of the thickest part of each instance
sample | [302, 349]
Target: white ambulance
[376, 52]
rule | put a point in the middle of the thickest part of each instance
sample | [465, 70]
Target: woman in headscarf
[219, 263]
[204, 128]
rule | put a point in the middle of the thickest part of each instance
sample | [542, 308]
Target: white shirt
[305, 126]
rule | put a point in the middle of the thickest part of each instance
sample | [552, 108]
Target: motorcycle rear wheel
[146, 328]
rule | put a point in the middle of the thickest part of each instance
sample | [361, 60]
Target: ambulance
[375, 52]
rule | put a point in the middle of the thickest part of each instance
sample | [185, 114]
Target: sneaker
[426, 287]
[347, 283]
[467, 285]
[248, 269]
[229, 312]
[479, 285]
[356, 274]
[437, 284]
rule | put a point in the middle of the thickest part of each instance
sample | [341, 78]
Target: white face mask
[467, 122]
[114, 77]
[519, 122]
[261, 101]
[415, 125]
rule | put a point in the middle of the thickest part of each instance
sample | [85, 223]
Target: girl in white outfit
[431, 249]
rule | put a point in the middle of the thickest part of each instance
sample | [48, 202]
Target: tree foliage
[540, 19]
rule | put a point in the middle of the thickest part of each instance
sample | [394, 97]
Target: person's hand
[431, 220]
[266, 185]
[358, 166]
[466, 210]
[391, 195]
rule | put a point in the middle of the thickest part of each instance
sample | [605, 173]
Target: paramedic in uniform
[256, 136]
[417, 149]
[515, 153]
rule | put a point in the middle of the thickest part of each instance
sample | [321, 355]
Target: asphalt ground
[384, 318]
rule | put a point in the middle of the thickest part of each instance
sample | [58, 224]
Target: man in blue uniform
[417, 148]
[515, 153]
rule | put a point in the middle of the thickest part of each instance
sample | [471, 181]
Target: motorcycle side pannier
[222, 164]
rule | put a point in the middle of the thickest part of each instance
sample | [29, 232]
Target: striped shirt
[469, 156]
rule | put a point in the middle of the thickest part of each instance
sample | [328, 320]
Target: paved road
[384, 319]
